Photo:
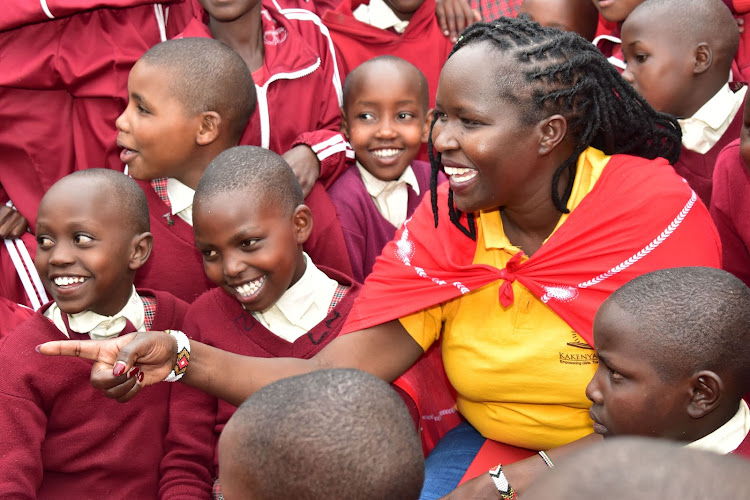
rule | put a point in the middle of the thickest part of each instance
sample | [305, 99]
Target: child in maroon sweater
[674, 360]
[386, 119]
[61, 439]
[730, 203]
[271, 300]
[681, 67]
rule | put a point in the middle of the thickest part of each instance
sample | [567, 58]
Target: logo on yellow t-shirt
[578, 356]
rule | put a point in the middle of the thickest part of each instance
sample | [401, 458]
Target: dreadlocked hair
[562, 73]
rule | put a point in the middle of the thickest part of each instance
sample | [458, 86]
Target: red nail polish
[119, 369]
[134, 371]
[140, 376]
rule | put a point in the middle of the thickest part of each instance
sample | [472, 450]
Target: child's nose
[386, 129]
[233, 267]
[60, 255]
[121, 123]
[593, 392]
[628, 76]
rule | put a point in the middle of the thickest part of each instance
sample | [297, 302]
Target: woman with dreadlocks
[560, 190]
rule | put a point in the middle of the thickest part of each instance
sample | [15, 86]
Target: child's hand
[123, 364]
[12, 224]
[305, 165]
[455, 15]
[479, 487]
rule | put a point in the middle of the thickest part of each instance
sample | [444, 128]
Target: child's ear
[303, 223]
[140, 250]
[707, 389]
[344, 124]
[703, 58]
[552, 131]
[209, 131]
[427, 123]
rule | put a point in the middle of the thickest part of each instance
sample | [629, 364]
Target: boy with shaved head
[61, 439]
[679, 55]
[674, 360]
[250, 224]
[328, 434]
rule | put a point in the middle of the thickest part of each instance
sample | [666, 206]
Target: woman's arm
[385, 350]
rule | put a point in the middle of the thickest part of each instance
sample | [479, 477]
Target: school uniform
[63, 439]
[609, 42]
[717, 123]
[421, 42]
[741, 63]
[732, 437]
[190, 464]
[370, 210]
[175, 264]
[730, 209]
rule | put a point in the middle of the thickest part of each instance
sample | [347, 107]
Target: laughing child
[271, 300]
[386, 119]
[681, 67]
[61, 439]
[674, 360]
[189, 101]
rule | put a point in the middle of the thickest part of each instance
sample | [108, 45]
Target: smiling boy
[61, 439]
[271, 300]
[674, 360]
[386, 119]
[682, 67]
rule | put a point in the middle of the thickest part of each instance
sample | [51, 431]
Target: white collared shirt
[378, 14]
[303, 305]
[703, 130]
[390, 197]
[729, 436]
[101, 327]
[181, 199]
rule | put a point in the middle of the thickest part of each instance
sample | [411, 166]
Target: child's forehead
[395, 77]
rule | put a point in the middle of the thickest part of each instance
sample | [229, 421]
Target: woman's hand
[12, 223]
[453, 16]
[143, 358]
[481, 487]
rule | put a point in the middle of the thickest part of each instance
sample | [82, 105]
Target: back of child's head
[648, 469]
[92, 235]
[207, 75]
[339, 433]
[385, 114]
[254, 172]
[679, 53]
[578, 16]
[690, 319]
[546, 71]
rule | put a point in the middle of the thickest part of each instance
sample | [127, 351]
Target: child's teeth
[460, 174]
[250, 288]
[68, 280]
[384, 153]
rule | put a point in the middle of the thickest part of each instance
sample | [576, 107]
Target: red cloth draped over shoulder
[640, 216]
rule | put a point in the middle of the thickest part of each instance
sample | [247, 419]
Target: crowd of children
[537, 233]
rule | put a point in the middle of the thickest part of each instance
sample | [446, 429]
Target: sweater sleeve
[23, 425]
[187, 469]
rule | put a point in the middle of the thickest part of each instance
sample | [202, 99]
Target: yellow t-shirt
[521, 372]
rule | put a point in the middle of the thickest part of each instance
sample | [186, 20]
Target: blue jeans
[449, 460]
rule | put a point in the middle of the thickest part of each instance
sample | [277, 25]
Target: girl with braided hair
[560, 190]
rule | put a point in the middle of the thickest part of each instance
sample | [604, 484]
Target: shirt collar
[375, 186]
[729, 436]
[98, 326]
[703, 130]
[380, 15]
[180, 195]
[305, 293]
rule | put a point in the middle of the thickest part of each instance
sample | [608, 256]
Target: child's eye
[248, 243]
[82, 239]
[142, 109]
[641, 58]
[615, 376]
[366, 116]
[44, 242]
[404, 116]
[209, 254]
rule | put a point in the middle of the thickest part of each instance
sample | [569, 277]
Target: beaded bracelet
[546, 459]
[183, 356]
[501, 483]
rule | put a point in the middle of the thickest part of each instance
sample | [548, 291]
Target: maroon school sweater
[197, 419]
[730, 210]
[63, 439]
[366, 231]
[698, 169]
[175, 265]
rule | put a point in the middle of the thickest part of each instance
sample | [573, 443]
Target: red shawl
[640, 216]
